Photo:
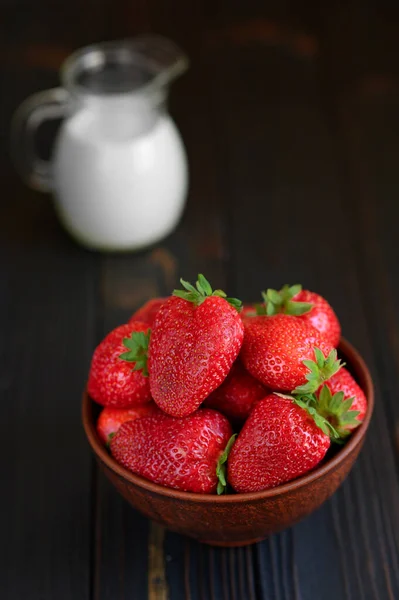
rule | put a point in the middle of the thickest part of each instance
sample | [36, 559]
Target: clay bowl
[240, 519]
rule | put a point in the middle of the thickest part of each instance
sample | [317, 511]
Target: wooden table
[290, 116]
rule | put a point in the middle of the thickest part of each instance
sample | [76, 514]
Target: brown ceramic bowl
[237, 519]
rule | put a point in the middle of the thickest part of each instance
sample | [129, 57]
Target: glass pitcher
[119, 169]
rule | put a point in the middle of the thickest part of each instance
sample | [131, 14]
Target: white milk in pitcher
[121, 176]
[119, 170]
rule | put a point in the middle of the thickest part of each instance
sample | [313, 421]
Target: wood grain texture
[45, 514]
[302, 181]
[157, 585]
[122, 565]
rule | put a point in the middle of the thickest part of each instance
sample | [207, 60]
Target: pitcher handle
[50, 104]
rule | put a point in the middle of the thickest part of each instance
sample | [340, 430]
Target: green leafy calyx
[275, 302]
[203, 290]
[338, 411]
[221, 466]
[330, 412]
[320, 371]
[310, 404]
[137, 346]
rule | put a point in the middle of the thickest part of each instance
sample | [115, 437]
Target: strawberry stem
[275, 302]
[311, 408]
[338, 411]
[137, 346]
[330, 412]
[320, 371]
[221, 466]
[202, 291]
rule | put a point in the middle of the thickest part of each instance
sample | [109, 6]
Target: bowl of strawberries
[225, 422]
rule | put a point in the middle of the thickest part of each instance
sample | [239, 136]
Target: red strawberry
[275, 347]
[279, 442]
[342, 394]
[113, 381]
[195, 339]
[178, 453]
[309, 306]
[148, 311]
[321, 316]
[237, 395]
[248, 310]
[111, 419]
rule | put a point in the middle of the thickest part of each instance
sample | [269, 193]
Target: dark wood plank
[362, 117]
[41, 26]
[365, 116]
[369, 124]
[121, 540]
[48, 300]
[48, 284]
[282, 163]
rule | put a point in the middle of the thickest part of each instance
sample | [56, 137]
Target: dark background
[290, 115]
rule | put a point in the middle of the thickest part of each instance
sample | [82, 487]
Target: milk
[118, 171]
[120, 174]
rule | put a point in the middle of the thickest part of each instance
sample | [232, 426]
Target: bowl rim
[355, 363]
